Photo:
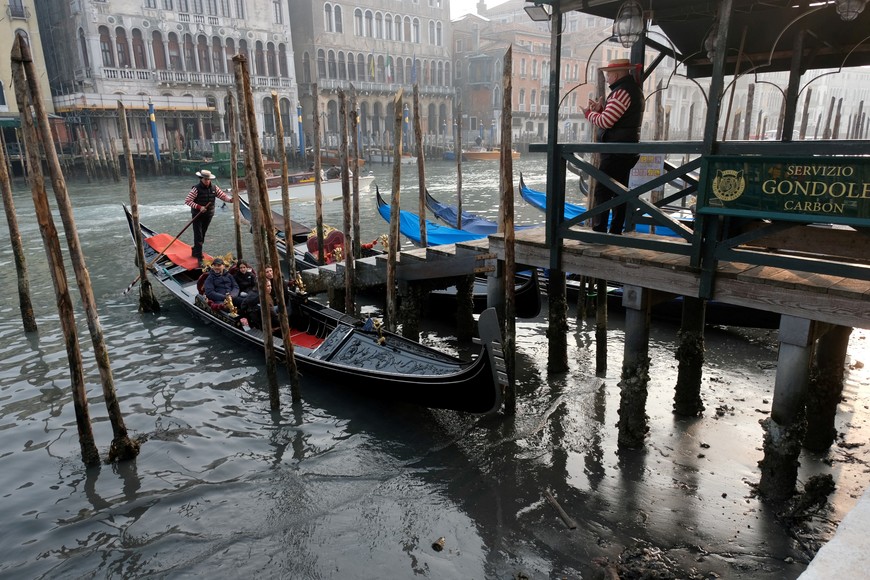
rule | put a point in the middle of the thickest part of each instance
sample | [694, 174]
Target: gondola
[538, 200]
[527, 289]
[471, 222]
[527, 292]
[354, 355]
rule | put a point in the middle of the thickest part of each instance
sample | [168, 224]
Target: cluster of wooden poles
[37, 132]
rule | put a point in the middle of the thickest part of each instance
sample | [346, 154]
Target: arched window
[388, 27]
[333, 73]
[321, 64]
[440, 81]
[369, 24]
[139, 58]
[260, 57]
[532, 102]
[217, 54]
[361, 67]
[406, 33]
[380, 69]
[438, 36]
[431, 119]
[397, 27]
[351, 66]
[268, 116]
[230, 51]
[271, 60]
[122, 47]
[83, 46]
[286, 119]
[306, 68]
[189, 54]
[282, 60]
[432, 32]
[106, 47]
[342, 67]
[327, 17]
[202, 53]
[370, 70]
[400, 71]
[358, 29]
[447, 78]
[379, 25]
[415, 31]
[243, 49]
[339, 27]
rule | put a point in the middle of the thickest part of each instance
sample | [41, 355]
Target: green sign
[807, 189]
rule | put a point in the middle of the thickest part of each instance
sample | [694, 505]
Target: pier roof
[770, 28]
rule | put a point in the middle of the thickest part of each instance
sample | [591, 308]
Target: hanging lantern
[628, 26]
[850, 9]
[710, 40]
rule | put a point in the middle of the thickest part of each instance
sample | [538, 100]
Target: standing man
[201, 200]
[618, 120]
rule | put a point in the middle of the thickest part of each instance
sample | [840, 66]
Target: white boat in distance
[303, 192]
[386, 157]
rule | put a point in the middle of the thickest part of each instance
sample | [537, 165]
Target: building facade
[175, 55]
[376, 47]
[20, 18]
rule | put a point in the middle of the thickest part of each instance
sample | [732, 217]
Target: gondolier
[201, 200]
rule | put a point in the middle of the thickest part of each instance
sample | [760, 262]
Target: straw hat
[617, 64]
[205, 174]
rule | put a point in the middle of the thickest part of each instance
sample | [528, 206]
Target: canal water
[347, 487]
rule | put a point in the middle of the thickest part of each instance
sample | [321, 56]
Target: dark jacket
[217, 286]
[627, 127]
[247, 282]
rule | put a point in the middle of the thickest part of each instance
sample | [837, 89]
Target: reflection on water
[342, 486]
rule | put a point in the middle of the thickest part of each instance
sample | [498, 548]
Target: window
[225, 8]
[268, 116]
[211, 7]
[203, 54]
[342, 67]
[106, 47]
[358, 23]
[327, 17]
[240, 9]
[183, 6]
[351, 66]
[189, 58]
[282, 61]
[122, 47]
[337, 13]
[167, 4]
[331, 66]
[217, 53]
[415, 37]
[197, 7]
[369, 27]
[158, 50]
[279, 11]
[321, 64]
[379, 25]
[438, 36]
[388, 27]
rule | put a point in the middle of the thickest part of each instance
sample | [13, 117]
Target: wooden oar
[169, 245]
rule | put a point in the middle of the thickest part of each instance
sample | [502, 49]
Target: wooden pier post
[347, 251]
[234, 169]
[90, 454]
[116, 170]
[289, 253]
[421, 166]
[826, 387]
[411, 304]
[601, 328]
[785, 429]
[147, 301]
[557, 329]
[24, 301]
[690, 357]
[393, 251]
[634, 381]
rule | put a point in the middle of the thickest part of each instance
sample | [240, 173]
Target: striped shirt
[190, 200]
[616, 106]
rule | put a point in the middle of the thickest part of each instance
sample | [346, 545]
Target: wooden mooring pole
[24, 302]
[506, 188]
[147, 300]
[318, 192]
[345, 204]
[289, 254]
[458, 153]
[393, 249]
[262, 214]
[421, 166]
[232, 117]
[354, 169]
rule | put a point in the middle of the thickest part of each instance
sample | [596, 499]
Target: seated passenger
[219, 284]
[245, 278]
[250, 308]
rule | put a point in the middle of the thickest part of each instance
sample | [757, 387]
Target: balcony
[128, 74]
[386, 88]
